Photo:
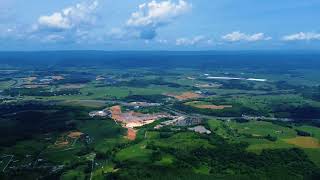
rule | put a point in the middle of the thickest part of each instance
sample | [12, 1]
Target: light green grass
[257, 129]
[120, 92]
[98, 174]
[186, 141]
[217, 127]
[137, 153]
[202, 169]
[166, 160]
[260, 144]
[262, 128]
[6, 84]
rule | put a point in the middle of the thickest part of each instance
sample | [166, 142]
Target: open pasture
[137, 152]
[304, 142]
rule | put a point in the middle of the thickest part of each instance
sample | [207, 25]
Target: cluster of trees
[25, 121]
[302, 133]
[302, 111]
[225, 160]
[76, 78]
[236, 111]
[312, 93]
[141, 83]
[145, 98]
[309, 92]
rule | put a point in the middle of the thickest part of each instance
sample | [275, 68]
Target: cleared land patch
[75, 134]
[304, 142]
[132, 134]
[185, 96]
[132, 119]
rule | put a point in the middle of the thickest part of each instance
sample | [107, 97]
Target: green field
[253, 131]
[136, 153]
[270, 132]
[6, 84]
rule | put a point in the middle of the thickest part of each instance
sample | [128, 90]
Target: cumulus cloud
[73, 24]
[72, 17]
[150, 16]
[193, 41]
[239, 36]
[302, 36]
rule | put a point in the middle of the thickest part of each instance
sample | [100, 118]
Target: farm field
[256, 134]
[195, 120]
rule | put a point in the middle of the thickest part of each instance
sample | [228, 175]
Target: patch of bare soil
[116, 112]
[132, 119]
[132, 134]
[75, 135]
[186, 96]
[304, 142]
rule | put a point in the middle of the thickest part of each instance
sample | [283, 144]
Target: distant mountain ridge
[166, 59]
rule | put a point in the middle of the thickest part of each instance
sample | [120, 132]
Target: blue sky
[159, 24]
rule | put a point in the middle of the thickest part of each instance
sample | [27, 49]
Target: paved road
[11, 157]
[92, 166]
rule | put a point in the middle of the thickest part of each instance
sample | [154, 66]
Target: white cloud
[308, 36]
[73, 24]
[239, 36]
[193, 41]
[56, 20]
[153, 15]
[69, 18]
[53, 38]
